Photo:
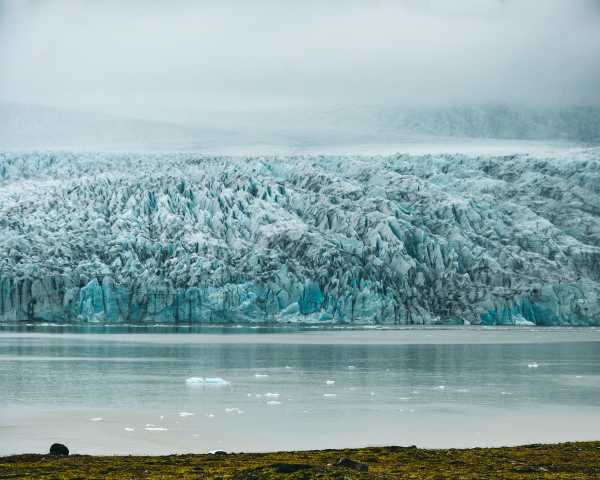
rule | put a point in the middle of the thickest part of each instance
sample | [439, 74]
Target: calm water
[127, 393]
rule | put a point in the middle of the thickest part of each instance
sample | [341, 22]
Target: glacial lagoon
[125, 393]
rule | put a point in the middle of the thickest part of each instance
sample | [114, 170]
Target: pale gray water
[434, 388]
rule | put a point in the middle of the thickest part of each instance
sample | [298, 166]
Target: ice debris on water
[533, 365]
[156, 429]
[273, 402]
[330, 382]
[234, 410]
[186, 414]
[206, 381]
[272, 395]
[260, 375]
[129, 429]
[329, 395]
[96, 419]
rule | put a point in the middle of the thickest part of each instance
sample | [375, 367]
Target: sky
[173, 59]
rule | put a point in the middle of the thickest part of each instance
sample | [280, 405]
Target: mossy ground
[563, 461]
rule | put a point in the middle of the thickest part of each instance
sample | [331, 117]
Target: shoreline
[573, 460]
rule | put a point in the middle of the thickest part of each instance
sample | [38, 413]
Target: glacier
[389, 239]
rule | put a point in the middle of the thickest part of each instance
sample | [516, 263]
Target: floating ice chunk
[234, 410]
[129, 429]
[578, 376]
[505, 393]
[150, 425]
[330, 395]
[156, 429]
[440, 387]
[210, 415]
[162, 417]
[271, 395]
[330, 382]
[532, 365]
[216, 381]
[194, 380]
[287, 367]
[206, 381]
[404, 398]
[351, 367]
[462, 390]
[260, 375]
[96, 419]
[273, 402]
[186, 414]
[415, 392]
[372, 394]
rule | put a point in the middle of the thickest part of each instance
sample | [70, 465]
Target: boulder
[59, 449]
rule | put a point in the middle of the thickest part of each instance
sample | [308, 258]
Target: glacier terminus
[398, 239]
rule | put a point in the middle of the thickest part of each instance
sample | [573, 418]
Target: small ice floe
[210, 415]
[330, 382]
[532, 365]
[351, 367]
[271, 395]
[505, 393]
[462, 390]
[578, 376]
[330, 395]
[440, 387]
[234, 410]
[260, 375]
[415, 392]
[162, 417]
[372, 394]
[217, 381]
[156, 429]
[96, 419]
[404, 399]
[273, 402]
[287, 367]
[186, 414]
[129, 429]
[150, 425]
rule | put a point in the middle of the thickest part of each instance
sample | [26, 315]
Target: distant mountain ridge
[26, 126]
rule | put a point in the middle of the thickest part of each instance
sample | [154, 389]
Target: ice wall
[401, 239]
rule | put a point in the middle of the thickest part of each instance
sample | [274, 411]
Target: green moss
[563, 461]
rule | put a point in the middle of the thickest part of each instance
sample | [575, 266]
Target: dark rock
[290, 467]
[58, 449]
[219, 452]
[353, 464]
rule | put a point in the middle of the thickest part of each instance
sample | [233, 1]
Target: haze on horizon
[182, 60]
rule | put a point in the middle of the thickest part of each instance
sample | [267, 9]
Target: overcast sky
[158, 57]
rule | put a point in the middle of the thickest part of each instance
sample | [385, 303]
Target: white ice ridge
[216, 381]
[399, 239]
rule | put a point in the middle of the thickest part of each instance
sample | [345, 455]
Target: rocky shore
[580, 460]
